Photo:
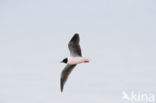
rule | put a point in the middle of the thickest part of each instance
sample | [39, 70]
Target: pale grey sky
[118, 35]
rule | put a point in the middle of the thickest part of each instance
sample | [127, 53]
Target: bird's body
[74, 59]
[77, 60]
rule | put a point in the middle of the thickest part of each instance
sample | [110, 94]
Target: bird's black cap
[64, 60]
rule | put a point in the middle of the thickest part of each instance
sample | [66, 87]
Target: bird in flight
[74, 59]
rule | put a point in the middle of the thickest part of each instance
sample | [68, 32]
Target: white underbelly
[75, 60]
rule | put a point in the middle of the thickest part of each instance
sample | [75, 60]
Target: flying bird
[74, 59]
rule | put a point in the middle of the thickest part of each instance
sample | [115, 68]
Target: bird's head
[65, 60]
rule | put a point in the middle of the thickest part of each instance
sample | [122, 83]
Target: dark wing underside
[65, 73]
[74, 47]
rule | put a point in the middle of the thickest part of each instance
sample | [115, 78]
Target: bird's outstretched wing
[65, 73]
[74, 47]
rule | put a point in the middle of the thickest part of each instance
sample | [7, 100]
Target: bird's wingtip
[61, 90]
[61, 86]
[76, 34]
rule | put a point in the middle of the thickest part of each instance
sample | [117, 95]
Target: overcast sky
[118, 35]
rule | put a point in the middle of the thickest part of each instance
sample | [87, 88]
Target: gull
[74, 59]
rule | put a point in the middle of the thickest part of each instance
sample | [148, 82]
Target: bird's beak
[61, 62]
